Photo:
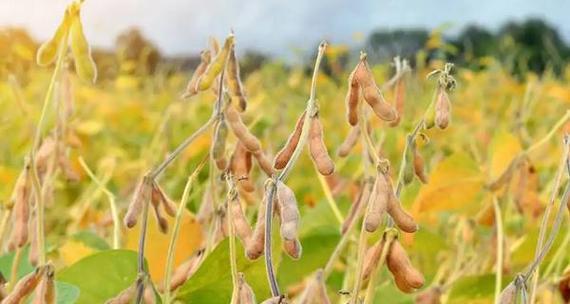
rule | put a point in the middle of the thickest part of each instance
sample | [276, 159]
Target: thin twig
[500, 249]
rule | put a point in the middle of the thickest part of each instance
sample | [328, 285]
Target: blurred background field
[513, 87]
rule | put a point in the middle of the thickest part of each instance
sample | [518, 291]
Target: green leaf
[23, 268]
[90, 239]
[475, 289]
[212, 283]
[66, 293]
[101, 276]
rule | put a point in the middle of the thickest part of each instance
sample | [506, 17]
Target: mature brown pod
[125, 297]
[149, 297]
[361, 201]
[160, 198]
[317, 147]
[33, 254]
[430, 296]
[349, 142]
[283, 157]
[255, 245]
[239, 221]
[293, 248]
[241, 131]
[419, 168]
[20, 198]
[45, 293]
[219, 144]
[289, 212]
[192, 87]
[352, 98]
[245, 293]
[399, 95]
[378, 202]
[240, 166]
[140, 197]
[372, 258]
[44, 154]
[509, 294]
[263, 162]
[407, 278]
[237, 93]
[184, 271]
[66, 167]
[442, 109]
[372, 94]
[402, 219]
[25, 286]
[160, 218]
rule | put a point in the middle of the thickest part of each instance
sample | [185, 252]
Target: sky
[278, 28]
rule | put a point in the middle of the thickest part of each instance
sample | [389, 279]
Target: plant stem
[15, 266]
[550, 134]
[330, 199]
[112, 203]
[500, 250]
[36, 184]
[362, 240]
[310, 111]
[232, 199]
[390, 236]
[176, 229]
[546, 216]
[142, 274]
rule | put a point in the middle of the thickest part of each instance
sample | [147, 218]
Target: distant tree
[384, 45]
[474, 42]
[137, 51]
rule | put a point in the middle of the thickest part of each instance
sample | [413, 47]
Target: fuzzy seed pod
[192, 87]
[288, 211]
[44, 154]
[25, 286]
[372, 94]
[148, 296]
[283, 157]
[33, 254]
[255, 245]
[429, 296]
[184, 271]
[239, 221]
[263, 162]
[352, 99]
[216, 66]
[219, 144]
[160, 218]
[419, 168]
[47, 52]
[206, 208]
[317, 147]
[240, 166]
[84, 65]
[241, 131]
[125, 297]
[407, 278]
[159, 198]
[509, 294]
[276, 300]
[442, 110]
[245, 293]
[140, 197]
[45, 293]
[66, 167]
[293, 248]
[378, 202]
[349, 142]
[237, 93]
[399, 95]
[21, 209]
[403, 220]
[408, 174]
[356, 206]
[372, 258]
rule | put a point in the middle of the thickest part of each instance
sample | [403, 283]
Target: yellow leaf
[453, 185]
[503, 148]
[72, 251]
[89, 127]
[188, 242]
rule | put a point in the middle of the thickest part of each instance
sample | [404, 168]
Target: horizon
[178, 29]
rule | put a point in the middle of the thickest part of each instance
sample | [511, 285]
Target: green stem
[176, 230]
[500, 250]
[36, 184]
[330, 199]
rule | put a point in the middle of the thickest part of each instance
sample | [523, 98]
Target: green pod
[47, 52]
[220, 136]
[84, 65]
[216, 66]
[408, 173]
